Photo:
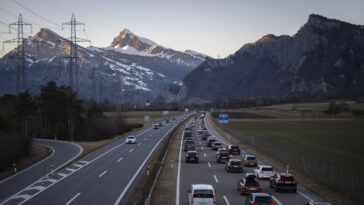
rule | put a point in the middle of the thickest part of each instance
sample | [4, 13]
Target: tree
[332, 109]
[25, 108]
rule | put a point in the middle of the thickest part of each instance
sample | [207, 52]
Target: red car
[234, 150]
[234, 165]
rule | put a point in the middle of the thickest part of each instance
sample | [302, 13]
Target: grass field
[337, 142]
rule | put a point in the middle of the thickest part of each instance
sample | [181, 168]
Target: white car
[199, 194]
[130, 140]
[264, 172]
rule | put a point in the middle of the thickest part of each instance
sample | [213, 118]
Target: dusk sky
[213, 27]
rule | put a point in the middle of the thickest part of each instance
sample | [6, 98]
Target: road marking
[145, 139]
[139, 144]
[226, 200]
[217, 181]
[201, 148]
[77, 165]
[103, 173]
[131, 150]
[39, 188]
[306, 196]
[121, 196]
[71, 170]
[208, 163]
[200, 143]
[179, 171]
[23, 196]
[83, 161]
[45, 179]
[204, 154]
[62, 174]
[120, 159]
[73, 198]
[276, 200]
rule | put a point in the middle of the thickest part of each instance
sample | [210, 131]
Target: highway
[61, 153]
[225, 184]
[106, 176]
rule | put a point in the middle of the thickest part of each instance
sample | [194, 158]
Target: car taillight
[255, 203]
[280, 182]
[271, 203]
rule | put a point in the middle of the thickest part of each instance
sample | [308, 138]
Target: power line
[57, 7]
[36, 14]
[7, 12]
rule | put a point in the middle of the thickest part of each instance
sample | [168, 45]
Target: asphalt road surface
[225, 184]
[62, 153]
[106, 176]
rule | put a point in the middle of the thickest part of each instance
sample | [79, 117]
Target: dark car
[188, 147]
[222, 157]
[187, 134]
[210, 142]
[205, 135]
[283, 181]
[247, 185]
[160, 124]
[259, 199]
[250, 161]
[192, 156]
[234, 150]
[234, 165]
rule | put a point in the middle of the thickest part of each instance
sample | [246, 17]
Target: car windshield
[235, 163]
[224, 154]
[287, 178]
[189, 142]
[217, 143]
[203, 194]
[251, 158]
[251, 182]
[131, 137]
[192, 154]
[267, 169]
[263, 199]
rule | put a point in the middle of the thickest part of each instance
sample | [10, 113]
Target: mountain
[132, 68]
[324, 58]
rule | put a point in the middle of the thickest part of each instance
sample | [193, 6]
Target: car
[199, 131]
[155, 126]
[216, 145]
[283, 181]
[167, 120]
[192, 156]
[210, 142]
[222, 157]
[234, 165]
[250, 161]
[248, 184]
[264, 171]
[259, 199]
[205, 135]
[318, 203]
[188, 138]
[188, 147]
[130, 139]
[221, 150]
[233, 149]
[187, 134]
[175, 121]
[160, 124]
[201, 194]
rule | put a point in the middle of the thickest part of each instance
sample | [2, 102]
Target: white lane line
[200, 143]
[78, 165]
[23, 196]
[208, 163]
[217, 181]
[103, 173]
[179, 171]
[145, 139]
[121, 196]
[306, 196]
[120, 159]
[276, 200]
[71, 170]
[131, 150]
[139, 144]
[201, 148]
[83, 161]
[62, 174]
[226, 200]
[204, 154]
[73, 198]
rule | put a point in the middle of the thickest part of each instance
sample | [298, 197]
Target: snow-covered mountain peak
[128, 38]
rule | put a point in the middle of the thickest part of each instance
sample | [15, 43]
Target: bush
[12, 147]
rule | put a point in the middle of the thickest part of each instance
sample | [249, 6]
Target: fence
[343, 181]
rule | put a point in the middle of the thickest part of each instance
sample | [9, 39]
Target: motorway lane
[105, 174]
[210, 172]
[62, 153]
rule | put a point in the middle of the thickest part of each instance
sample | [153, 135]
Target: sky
[217, 28]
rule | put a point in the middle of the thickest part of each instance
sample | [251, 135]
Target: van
[199, 194]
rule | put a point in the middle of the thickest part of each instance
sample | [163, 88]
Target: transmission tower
[73, 55]
[20, 53]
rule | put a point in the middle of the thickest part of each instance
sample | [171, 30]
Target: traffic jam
[231, 158]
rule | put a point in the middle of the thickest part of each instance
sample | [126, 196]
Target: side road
[62, 153]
